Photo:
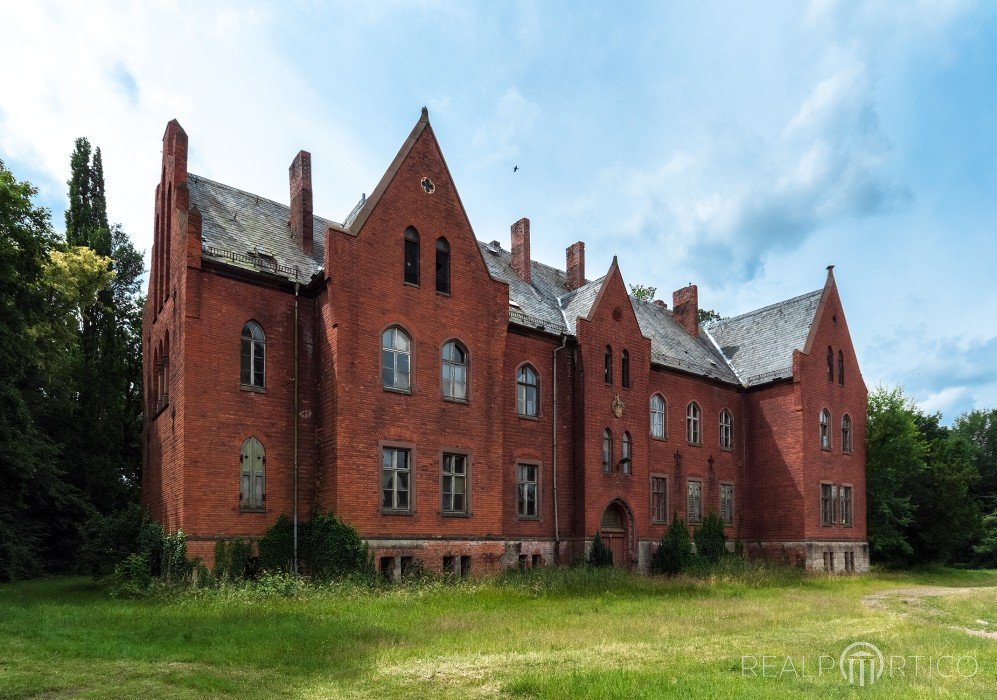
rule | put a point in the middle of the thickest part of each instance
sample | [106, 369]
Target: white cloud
[500, 136]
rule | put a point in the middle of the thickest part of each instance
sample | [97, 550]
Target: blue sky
[740, 146]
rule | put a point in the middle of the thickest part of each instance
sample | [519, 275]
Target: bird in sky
[515, 168]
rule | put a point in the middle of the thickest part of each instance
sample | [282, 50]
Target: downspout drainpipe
[557, 530]
[295, 507]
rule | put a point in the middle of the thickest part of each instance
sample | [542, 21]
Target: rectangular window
[465, 566]
[727, 503]
[659, 499]
[846, 505]
[454, 483]
[826, 504]
[526, 490]
[537, 562]
[695, 505]
[395, 472]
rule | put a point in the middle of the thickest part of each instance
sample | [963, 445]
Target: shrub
[711, 544]
[327, 548]
[232, 559]
[131, 577]
[176, 567]
[675, 550]
[150, 544]
[108, 539]
[276, 547]
[599, 554]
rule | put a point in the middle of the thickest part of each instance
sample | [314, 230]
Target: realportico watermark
[861, 664]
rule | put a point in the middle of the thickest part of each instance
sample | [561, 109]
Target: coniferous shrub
[599, 554]
[711, 544]
[675, 550]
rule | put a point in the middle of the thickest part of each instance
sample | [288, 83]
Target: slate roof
[759, 344]
[253, 233]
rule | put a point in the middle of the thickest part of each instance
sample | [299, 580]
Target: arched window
[607, 451]
[253, 365]
[692, 416]
[658, 417]
[627, 454]
[253, 462]
[609, 365]
[830, 364]
[625, 369]
[454, 371]
[396, 359]
[165, 390]
[527, 392]
[156, 378]
[726, 430]
[841, 368]
[411, 256]
[846, 433]
[825, 429]
[442, 266]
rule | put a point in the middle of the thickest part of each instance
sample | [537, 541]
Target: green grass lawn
[563, 633]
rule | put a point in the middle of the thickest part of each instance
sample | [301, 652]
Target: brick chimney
[685, 308]
[575, 265]
[521, 249]
[300, 174]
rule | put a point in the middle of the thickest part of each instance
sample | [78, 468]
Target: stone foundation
[832, 557]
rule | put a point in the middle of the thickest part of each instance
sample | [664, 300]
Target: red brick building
[469, 407]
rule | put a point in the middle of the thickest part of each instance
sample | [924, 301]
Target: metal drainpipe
[295, 507]
[557, 531]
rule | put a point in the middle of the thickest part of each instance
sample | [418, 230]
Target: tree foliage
[599, 554]
[711, 543]
[675, 549]
[709, 316]
[643, 292]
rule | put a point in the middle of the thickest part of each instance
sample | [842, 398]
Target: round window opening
[428, 185]
[617, 313]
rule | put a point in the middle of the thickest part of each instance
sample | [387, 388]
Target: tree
[675, 549]
[599, 554]
[711, 544]
[643, 292]
[709, 316]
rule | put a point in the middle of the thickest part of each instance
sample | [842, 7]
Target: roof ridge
[253, 194]
[767, 308]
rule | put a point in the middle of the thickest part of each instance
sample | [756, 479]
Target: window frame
[688, 493]
[730, 485]
[467, 371]
[445, 252]
[846, 433]
[694, 421]
[465, 454]
[841, 367]
[607, 372]
[830, 364]
[538, 467]
[607, 451]
[536, 386]
[414, 243]
[664, 416]
[626, 453]
[829, 500]
[411, 356]
[399, 445]
[727, 430]
[625, 369]
[253, 506]
[254, 343]
[850, 520]
[657, 476]
[825, 429]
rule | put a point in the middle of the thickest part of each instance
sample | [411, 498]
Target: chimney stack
[521, 249]
[685, 308]
[575, 266]
[301, 200]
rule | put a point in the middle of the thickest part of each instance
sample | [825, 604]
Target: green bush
[327, 548]
[675, 550]
[599, 554]
[711, 544]
[131, 577]
[150, 544]
[107, 540]
[276, 547]
[232, 559]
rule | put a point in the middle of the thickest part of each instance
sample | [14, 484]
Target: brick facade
[327, 417]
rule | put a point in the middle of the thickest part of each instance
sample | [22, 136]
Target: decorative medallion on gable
[617, 406]
[617, 313]
[427, 185]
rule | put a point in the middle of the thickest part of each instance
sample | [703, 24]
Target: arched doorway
[616, 531]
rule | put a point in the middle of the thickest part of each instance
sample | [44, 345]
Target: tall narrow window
[841, 368]
[608, 362]
[395, 472]
[692, 417]
[846, 505]
[527, 392]
[659, 496]
[695, 502]
[846, 433]
[526, 490]
[830, 364]
[411, 256]
[825, 429]
[442, 266]
[454, 371]
[253, 365]
[625, 369]
[658, 417]
[625, 462]
[252, 485]
[727, 503]
[826, 504]
[396, 359]
[726, 430]
[454, 484]
[607, 451]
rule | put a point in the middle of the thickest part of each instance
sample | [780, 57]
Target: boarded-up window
[695, 503]
[727, 503]
[252, 460]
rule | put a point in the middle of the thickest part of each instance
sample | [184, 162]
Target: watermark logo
[861, 663]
